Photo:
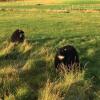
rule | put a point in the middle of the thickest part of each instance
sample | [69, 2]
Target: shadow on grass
[35, 77]
[39, 69]
[91, 55]
[10, 64]
[80, 91]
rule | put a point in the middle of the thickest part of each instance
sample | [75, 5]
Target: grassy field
[27, 70]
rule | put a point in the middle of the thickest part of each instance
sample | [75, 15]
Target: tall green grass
[70, 86]
[27, 70]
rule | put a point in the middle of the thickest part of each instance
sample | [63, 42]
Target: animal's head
[20, 33]
[65, 51]
[61, 53]
[18, 36]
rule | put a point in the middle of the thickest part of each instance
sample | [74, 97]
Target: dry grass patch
[69, 85]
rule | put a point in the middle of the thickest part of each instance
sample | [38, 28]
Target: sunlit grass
[71, 87]
[27, 70]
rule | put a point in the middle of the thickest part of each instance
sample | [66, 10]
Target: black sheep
[66, 57]
[18, 36]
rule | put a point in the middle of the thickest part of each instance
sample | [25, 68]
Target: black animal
[18, 36]
[66, 57]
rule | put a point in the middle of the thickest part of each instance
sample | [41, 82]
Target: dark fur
[71, 58]
[18, 36]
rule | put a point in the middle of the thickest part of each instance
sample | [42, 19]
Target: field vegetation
[27, 70]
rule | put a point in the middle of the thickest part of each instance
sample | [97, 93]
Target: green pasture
[25, 68]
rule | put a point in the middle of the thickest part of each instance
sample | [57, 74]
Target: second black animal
[66, 57]
[18, 36]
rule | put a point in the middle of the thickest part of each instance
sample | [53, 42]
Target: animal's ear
[17, 30]
[21, 31]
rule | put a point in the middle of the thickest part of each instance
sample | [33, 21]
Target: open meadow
[27, 70]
